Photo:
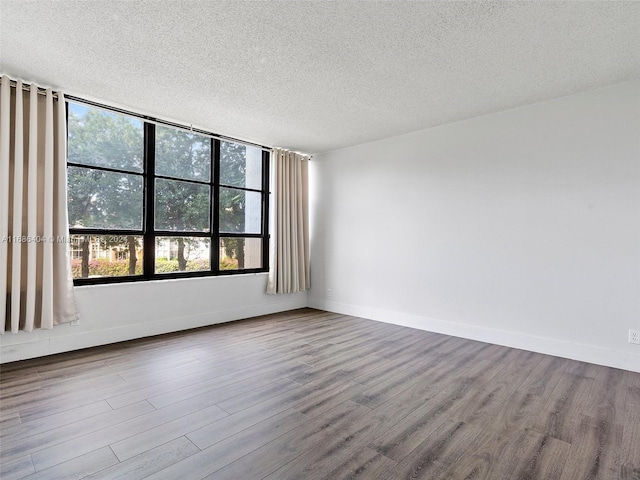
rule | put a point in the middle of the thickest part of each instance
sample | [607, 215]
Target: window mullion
[149, 199]
[266, 158]
[215, 208]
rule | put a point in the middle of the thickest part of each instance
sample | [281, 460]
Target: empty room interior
[319, 240]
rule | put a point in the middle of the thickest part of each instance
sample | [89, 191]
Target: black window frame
[148, 231]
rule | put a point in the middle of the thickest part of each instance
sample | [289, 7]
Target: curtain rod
[26, 87]
[165, 123]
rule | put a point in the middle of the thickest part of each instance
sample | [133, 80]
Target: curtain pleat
[289, 262]
[5, 100]
[47, 227]
[32, 216]
[16, 247]
[36, 287]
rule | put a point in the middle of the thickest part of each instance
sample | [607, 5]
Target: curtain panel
[289, 255]
[36, 285]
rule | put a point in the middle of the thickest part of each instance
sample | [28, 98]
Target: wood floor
[310, 395]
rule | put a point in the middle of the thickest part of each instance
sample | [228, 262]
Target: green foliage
[233, 248]
[232, 172]
[182, 206]
[100, 199]
[167, 266]
[233, 166]
[103, 267]
[227, 263]
[104, 139]
[182, 154]
[198, 265]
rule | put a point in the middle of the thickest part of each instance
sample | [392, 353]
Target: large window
[150, 201]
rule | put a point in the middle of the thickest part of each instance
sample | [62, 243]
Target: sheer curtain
[289, 256]
[36, 287]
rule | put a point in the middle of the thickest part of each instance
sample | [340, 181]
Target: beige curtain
[36, 287]
[289, 255]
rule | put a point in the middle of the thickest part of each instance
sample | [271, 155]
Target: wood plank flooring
[314, 395]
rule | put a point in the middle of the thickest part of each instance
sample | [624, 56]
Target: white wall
[520, 228]
[112, 313]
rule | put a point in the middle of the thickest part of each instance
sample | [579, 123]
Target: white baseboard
[68, 341]
[549, 346]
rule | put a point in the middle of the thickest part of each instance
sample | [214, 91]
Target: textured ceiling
[318, 75]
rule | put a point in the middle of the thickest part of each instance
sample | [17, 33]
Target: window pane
[182, 254]
[105, 255]
[240, 211]
[237, 253]
[240, 166]
[99, 199]
[182, 154]
[182, 206]
[104, 139]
